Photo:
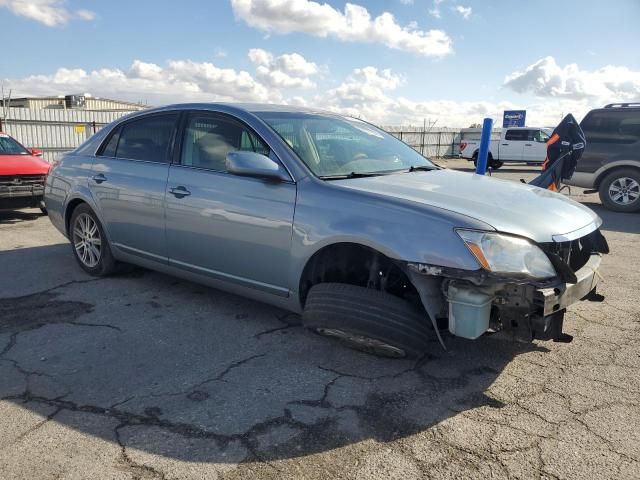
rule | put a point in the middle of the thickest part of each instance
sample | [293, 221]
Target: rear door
[535, 147]
[225, 226]
[612, 134]
[512, 144]
[128, 182]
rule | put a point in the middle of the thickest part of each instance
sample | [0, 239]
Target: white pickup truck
[516, 144]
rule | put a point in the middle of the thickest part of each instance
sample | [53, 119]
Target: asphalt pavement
[145, 376]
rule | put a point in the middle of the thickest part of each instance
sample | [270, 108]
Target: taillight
[463, 146]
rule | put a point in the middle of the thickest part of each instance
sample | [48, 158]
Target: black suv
[610, 164]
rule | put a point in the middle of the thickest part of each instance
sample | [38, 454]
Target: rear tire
[620, 190]
[89, 243]
[368, 320]
[495, 164]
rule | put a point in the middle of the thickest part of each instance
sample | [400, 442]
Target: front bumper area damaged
[522, 309]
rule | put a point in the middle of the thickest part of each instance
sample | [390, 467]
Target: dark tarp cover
[564, 149]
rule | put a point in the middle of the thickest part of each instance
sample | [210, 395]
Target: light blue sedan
[327, 216]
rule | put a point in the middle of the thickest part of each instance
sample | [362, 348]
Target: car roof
[254, 108]
[617, 109]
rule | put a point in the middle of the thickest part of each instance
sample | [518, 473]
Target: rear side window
[208, 139]
[517, 135]
[147, 139]
[537, 136]
[614, 126]
[110, 148]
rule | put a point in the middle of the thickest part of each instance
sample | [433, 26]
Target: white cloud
[435, 10]
[368, 92]
[290, 70]
[51, 13]
[545, 78]
[464, 11]
[220, 52]
[181, 80]
[355, 24]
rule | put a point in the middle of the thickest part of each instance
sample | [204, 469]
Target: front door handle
[528, 145]
[179, 192]
[99, 178]
[505, 144]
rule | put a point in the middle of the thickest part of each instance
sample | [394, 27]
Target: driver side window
[208, 139]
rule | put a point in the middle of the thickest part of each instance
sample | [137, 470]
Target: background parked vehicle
[516, 144]
[22, 175]
[610, 164]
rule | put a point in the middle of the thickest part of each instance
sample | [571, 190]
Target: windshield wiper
[422, 168]
[352, 175]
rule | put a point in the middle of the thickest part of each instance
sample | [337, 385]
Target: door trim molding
[218, 275]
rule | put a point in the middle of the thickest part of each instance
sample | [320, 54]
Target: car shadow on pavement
[18, 216]
[178, 370]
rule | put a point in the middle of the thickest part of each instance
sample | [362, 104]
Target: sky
[393, 62]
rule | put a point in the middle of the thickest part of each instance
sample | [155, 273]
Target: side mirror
[250, 164]
[36, 152]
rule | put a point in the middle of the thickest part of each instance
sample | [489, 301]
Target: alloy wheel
[87, 240]
[624, 190]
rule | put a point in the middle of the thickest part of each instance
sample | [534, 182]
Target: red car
[22, 175]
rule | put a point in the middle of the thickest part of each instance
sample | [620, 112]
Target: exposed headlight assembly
[500, 253]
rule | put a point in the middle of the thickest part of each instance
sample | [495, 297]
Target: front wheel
[620, 190]
[368, 320]
[90, 246]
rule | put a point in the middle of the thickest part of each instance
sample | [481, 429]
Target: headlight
[501, 253]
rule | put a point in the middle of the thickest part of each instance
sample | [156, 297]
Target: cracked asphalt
[145, 376]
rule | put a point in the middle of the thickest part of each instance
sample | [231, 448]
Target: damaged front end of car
[522, 289]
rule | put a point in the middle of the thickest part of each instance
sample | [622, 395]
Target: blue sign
[514, 118]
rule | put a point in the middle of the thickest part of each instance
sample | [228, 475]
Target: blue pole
[481, 166]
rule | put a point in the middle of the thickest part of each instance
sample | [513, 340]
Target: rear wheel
[495, 164]
[620, 190]
[368, 320]
[89, 243]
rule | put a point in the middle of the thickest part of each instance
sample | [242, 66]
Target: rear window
[612, 126]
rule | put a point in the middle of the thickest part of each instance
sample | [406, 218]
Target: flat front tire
[89, 243]
[367, 320]
[620, 190]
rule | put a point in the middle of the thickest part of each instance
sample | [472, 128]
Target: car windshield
[8, 146]
[333, 146]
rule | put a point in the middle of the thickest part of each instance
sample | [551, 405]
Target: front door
[225, 226]
[128, 182]
[512, 144]
[535, 148]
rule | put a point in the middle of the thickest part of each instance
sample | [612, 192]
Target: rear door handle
[99, 178]
[505, 144]
[528, 145]
[179, 192]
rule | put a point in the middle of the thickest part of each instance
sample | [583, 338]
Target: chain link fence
[54, 131]
[57, 131]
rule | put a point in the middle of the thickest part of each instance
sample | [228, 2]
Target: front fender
[401, 230]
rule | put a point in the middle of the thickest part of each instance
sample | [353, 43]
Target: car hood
[22, 165]
[507, 206]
